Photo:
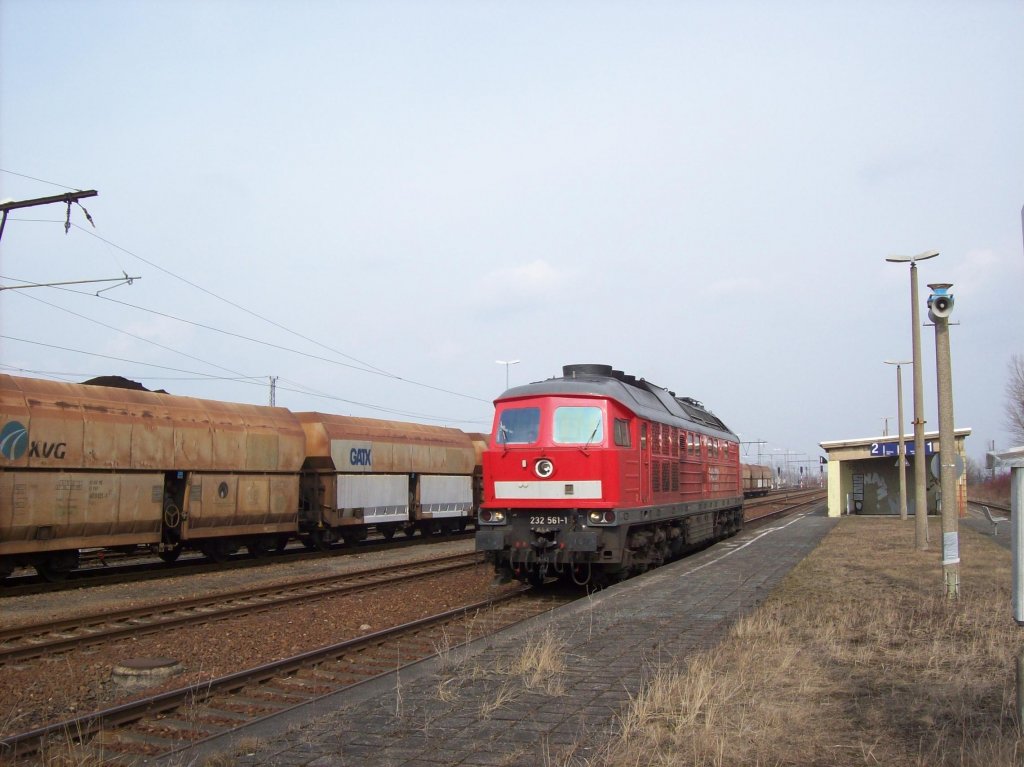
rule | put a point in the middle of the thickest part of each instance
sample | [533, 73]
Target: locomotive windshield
[578, 426]
[518, 426]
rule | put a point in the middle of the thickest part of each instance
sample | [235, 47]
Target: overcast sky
[375, 201]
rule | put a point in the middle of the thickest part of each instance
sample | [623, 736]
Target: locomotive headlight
[601, 517]
[489, 517]
[544, 468]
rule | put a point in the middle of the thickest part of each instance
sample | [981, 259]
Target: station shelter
[863, 475]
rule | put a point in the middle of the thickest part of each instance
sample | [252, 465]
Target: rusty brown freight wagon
[88, 466]
[757, 480]
[363, 472]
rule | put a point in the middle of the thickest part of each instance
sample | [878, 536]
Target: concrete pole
[920, 479]
[903, 444]
[947, 461]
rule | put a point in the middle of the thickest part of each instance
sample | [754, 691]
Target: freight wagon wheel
[261, 546]
[170, 555]
[387, 531]
[352, 537]
[319, 540]
[217, 551]
[55, 569]
[282, 543]
[6, 568]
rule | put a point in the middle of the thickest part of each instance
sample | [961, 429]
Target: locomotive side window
[622, 432]
[578, 426]
[518, 426]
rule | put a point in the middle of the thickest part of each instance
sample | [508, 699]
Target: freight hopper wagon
[362, 472]
[90, 466]
[757, 480]
[598, 475]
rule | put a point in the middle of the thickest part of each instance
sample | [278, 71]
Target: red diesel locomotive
[598, 475]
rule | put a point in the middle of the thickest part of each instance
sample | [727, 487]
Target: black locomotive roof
[640, 396]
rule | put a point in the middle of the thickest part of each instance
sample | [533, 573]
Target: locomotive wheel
[535, 579]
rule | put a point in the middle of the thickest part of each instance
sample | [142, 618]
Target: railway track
[175, 720]
[178, 719]
[42, 639]
[119, 568]
[780, 504]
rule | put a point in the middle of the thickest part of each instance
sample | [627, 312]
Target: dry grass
[539, 664]
[856, 659]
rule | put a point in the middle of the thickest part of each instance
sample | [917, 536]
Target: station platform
[434, 714]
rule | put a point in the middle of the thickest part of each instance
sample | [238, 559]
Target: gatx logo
[360, 456]
[14, 442]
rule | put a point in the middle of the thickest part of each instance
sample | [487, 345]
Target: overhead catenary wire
[134, 335]
[367, 367]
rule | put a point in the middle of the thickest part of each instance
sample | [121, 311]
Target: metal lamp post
[902, 461]
[507, 364]
[920, 486]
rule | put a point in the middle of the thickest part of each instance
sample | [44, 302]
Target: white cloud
[518, 285]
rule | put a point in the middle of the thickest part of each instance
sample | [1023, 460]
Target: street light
[507, 364]
[902, 461]
[920, 486]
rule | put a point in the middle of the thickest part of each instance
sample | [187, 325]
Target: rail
[36, 640]
[356, 659]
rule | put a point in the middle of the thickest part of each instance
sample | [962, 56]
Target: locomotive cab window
[622, 432]
[518, 426]
[578, 426]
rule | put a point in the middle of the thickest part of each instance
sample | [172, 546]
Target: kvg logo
[13, 440]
